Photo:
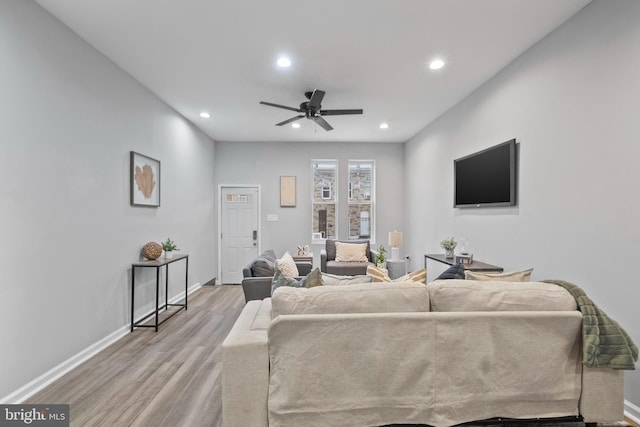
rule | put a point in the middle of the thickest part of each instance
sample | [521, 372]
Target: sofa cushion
[330, 247]
[358, 298]
[351, 252]
[287, 265]
[314, 278]
[456, 271]
[347, 268]
[513, 276]
[475, 295]
[337, 280]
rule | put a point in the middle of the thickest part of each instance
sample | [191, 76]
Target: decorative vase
[168, 254]
[151, 251]
[448, 253]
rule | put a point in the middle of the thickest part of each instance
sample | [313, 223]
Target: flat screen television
[486, 178]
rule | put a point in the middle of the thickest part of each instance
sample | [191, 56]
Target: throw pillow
[287, 265]
[312, 279]
[456, 271]
[378, 274]
[262, 267]
[280, 279]
[514, 276]
[309, 281]
[419, 276]
[351, 252]
[337, 280]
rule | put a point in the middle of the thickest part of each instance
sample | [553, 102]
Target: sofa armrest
[373, 253]
[602, 398]
[256, 288]
[245, 369]
[323, 260]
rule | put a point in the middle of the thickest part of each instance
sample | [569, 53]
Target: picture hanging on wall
[287, 191]
[145, 180]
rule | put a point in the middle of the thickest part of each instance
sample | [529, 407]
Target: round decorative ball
[151, 250]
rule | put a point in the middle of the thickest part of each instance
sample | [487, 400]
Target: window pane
[325, 181]
[361, 199]
[359, 221]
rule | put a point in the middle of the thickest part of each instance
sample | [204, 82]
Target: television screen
[486, 178]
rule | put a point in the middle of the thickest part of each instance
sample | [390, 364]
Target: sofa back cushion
[330, 247]
[357, 298]
[474, 295]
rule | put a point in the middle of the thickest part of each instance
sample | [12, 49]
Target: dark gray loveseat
[258, 274]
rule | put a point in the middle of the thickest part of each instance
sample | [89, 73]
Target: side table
[158, 264]
[307, 257]
[397, 268]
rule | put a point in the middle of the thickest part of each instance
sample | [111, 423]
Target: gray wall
[263, 163]
[69, 118]
[572, 103]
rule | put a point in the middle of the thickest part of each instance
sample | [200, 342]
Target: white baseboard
[57, 372]
[632, 412]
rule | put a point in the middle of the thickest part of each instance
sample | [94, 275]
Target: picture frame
[287, 191]
[145, 180]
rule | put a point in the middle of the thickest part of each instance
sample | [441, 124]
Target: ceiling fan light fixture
[284, 62]
[295, 125]
[384, 125]
[436, 64]
[205, 115]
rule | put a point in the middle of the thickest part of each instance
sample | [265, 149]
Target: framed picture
[287, 191]
[145, 180]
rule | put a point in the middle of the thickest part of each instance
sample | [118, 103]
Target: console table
[474, 266]
[158, 264]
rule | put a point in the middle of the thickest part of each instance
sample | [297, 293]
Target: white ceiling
[219, 56]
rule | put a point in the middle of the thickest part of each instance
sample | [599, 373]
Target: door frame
[219, 226]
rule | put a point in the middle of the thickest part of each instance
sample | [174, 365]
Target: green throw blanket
[605, 343]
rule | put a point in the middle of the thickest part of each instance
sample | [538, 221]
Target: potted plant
[448, 245]
[380, 256]
[169, 246]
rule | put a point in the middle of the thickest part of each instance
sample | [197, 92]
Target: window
[324, 203]
[361, 193]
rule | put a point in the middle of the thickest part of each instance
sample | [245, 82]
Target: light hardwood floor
[168, 378]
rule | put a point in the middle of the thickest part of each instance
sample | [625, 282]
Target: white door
[238, 231]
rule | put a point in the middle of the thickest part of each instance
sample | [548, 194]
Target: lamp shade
[395, 239]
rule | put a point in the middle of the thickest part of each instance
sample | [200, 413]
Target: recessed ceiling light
[284, 62]
[384, 126]
[295, 125]
[205, 115]
[436, 64]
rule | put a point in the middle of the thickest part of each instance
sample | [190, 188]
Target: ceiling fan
[311, 109]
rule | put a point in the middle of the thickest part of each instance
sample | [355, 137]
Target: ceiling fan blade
[340, 112]
[322, 122]
[316, 99]
[297, 110]
[292, 119]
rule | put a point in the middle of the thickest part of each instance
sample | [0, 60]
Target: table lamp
[395, 241]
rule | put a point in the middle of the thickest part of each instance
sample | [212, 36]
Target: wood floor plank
[168, 378]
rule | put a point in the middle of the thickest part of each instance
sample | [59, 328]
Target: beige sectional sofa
[382, 353]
